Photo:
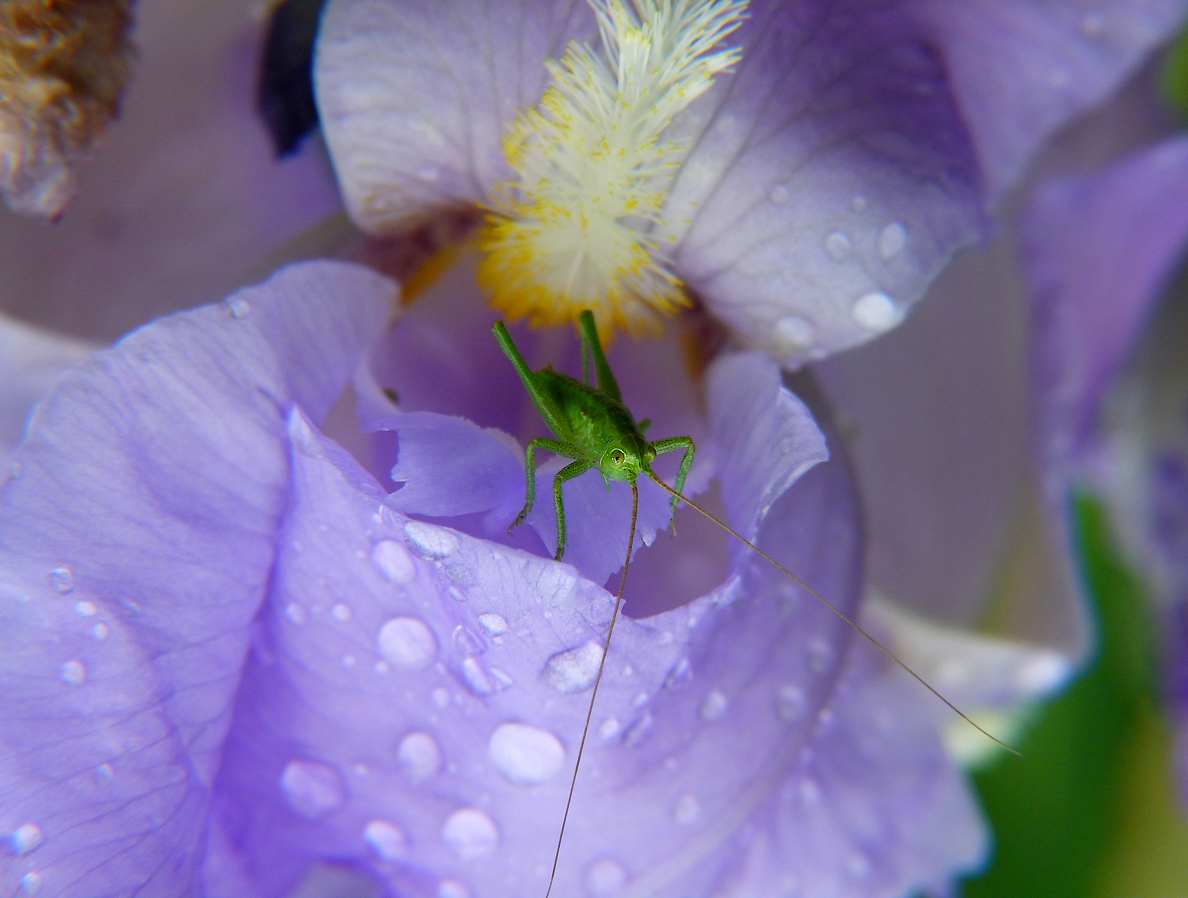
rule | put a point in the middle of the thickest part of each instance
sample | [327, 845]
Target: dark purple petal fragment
[135, 547]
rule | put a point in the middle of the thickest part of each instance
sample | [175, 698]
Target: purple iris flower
[1106, 253]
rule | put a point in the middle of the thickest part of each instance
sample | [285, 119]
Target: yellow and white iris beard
[577, 228]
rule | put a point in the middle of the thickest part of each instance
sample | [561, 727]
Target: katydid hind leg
[602, 372]
[553, 416]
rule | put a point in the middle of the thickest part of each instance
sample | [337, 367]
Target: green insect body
[592, 425]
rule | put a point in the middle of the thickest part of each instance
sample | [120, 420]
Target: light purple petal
[1099, 251]
[135, 547]
[414, 95]
[1020, 69]
[183, 197]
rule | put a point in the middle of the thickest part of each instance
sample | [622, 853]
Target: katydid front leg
[557, 448]
[570, 471]
[670, 444]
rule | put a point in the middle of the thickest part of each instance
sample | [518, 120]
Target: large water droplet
[892, 240]
[713, 705]
[837, 245]
[312, 789]
[793, 334]
[394, 561]
[574, 670]
[73, 673]
[387, 839]
[85, 609]
[419, 755]
[470, 834]
[237, 307]
[495, 624]
[451, 888]
[429, 540]
[407, 643]
[25, 838]
[525, 755]
[605, 877]
[30, 884]
[686, 810]
[61, 580]
[876, 311]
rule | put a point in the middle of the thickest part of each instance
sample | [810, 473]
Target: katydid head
[624, 458]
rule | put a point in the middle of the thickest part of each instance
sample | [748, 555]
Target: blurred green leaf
[1175, 74]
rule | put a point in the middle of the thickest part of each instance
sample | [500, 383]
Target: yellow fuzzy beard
[575, 230]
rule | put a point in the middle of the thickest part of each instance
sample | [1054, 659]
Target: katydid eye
[617, 456]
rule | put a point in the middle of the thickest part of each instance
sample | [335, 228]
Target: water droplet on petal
[394, 561]
[15, 470]
[779, 194]
[407, 643]
[838, 246]
[713, 705]
[789, 702]
[387, 839]
[341, 612]
[86, 609]
[237, 306]
[638, 731]
[876, 311]
[609, 728]
[605, 877]
[793, 334]
[429, 540]
[295, 613]
[476, 678]
[451, 888]
[892, 240]
[419, 755]
[312, 789]
[495, 624]
[104, 774]
[467, 642]
[99, 631]
[25, 838]
[441, 697]
[470, 834]
[31, 884]
[574, 670]
[73, 673]
[525, 755]
[686, 810]
[62, 580]
[500, 680]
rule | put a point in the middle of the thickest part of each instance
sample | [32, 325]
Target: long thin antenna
[882, 648]
[598, 679]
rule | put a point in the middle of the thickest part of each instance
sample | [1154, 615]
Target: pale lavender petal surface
[1019, 69]
[1100, 249]
[135, 547]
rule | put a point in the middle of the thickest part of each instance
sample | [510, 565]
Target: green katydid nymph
[595, 429]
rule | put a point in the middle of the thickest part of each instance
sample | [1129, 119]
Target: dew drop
[789, 702]
[609, 728]
[639, 729]
[451, 888]
[31, 883]
[100, 631]
[85, 609]
[892, 240]
[837, 245]
[605, 877]
[574, 670]
[793, 333]
[713, 705]
[407, 643]
[104, 774]
[312, 789]
[500, 680]
[73, 673]
[1092, 24]
[295, 613]
[470, 834]
[876, 311]
[467, 642]
[429, 540]
[341, 612]
[679, 674]
[237, 306]
[387, 839]
[525, 755]
[394, 561]
[476, 678]
[25, 838]
[494, 624]
[15, 470]
[686, 810]
[62, 580]
[779, 194]
[419, 755]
